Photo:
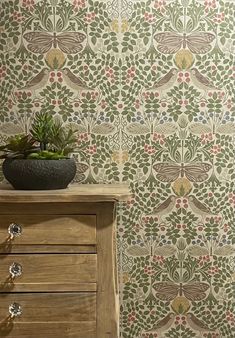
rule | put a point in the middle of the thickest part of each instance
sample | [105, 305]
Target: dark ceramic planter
[33, 174]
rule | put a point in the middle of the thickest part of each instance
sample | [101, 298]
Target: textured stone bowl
[34, 174]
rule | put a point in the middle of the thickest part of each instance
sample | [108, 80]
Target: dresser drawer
[47, 230]
[49, 272]
[50, 315]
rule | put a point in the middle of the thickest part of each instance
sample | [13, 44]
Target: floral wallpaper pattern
[149, 85]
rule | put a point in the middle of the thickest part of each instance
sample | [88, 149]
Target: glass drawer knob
[15, 310]
[15, 270]
[15, 230]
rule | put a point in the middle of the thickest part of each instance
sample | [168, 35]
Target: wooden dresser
[58, 276]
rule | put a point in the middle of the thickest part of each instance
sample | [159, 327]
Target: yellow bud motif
[125, 277]
[120, 28]
[180, 305]
[184, 59]
[182, 186]
[124, 26]
[55, 59]
[115, 26]
[120, 157]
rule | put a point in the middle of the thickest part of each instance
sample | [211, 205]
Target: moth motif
[42, 42]
[81, 169]
[138, 251]
[169, 172]
[196, 42]
[167, 291]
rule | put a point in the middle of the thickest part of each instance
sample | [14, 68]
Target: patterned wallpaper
[150, 86]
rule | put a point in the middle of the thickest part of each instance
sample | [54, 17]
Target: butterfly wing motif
[39, 42]
[81, 169]
[199, 42]
[166, 290]
[225, 250]
[137, 251]
[197, 251]
[164, 250]
[70, 42]
[195, 291]
[167, 172]
[168, 42]
[197, 172]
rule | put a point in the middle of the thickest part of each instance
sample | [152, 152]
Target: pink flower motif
[136, 227]
[181, 226]
[212, 335]
[78, 4]
[137, 104]
[28, 4]
[225, 227]
[160, 138]
[216, 149]
[183, 102]
[90, 17]
[131, 317]
[148, 270]
[103, 104]
[229, 104]
[108, 71]
[232, 199]
[130, 73]
[149, 17]
[210, 5]
[149, 335]
[146, 95]
[219, 17]
[149, 149]
[130, 202]
[180, 320]
[181, 203]
[230, 317]
[92, 149]
[204, 259]
[55, 77]
[160, 5]
[17, 16]
[206, 138]
[9, 103]
[82, 137]
[159, 259]
[2, 72]
[213, 270]
[183, 77]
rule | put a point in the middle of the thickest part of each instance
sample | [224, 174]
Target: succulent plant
[47, 139]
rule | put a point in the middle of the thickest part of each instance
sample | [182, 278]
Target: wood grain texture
[51, 307]
[48, 330]
[11, 247]
[107, 296]
[105, 283]
[74, 193]
[57, 272]
[50, 229]
[53, 208]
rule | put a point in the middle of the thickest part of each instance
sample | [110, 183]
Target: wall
[150, 86]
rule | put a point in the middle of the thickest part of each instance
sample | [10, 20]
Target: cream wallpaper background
[149, 84]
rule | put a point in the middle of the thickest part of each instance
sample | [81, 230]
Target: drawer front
[49, 315]
[49, 272]
[43, 230]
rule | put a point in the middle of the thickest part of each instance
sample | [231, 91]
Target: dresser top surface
[74, 193]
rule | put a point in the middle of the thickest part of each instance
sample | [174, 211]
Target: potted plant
[40, 159]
